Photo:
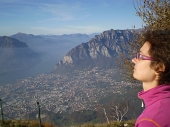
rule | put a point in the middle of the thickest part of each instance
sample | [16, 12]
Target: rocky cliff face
[105, 46]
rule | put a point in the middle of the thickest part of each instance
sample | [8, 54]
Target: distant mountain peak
[21, 33]
[24, 36]
[8, 42]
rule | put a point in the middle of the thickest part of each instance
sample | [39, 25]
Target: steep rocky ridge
[101, 51]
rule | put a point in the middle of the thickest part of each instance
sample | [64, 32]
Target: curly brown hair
[160, 51]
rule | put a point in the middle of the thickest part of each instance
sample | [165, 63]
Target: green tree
[155, 15]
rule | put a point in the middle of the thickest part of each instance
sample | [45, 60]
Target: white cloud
[62, 11]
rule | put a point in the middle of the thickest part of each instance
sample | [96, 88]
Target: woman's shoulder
[156, 115]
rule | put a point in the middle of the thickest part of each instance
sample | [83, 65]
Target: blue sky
[66, 16]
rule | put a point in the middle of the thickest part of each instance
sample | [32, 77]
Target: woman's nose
[134, 60]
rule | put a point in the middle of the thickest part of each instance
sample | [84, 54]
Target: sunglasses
[143, 57]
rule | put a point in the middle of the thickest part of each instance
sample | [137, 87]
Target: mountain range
[49, 48]
[63, 53]
[73, 38]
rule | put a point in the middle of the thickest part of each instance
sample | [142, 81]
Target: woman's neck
[149, 85]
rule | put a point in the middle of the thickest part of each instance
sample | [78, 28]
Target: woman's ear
[161, 68]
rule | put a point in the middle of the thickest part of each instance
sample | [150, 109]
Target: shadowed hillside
[15, 55]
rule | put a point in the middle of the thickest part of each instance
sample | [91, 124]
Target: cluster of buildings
[59, 93]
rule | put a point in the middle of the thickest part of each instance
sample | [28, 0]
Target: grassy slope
[18, 123]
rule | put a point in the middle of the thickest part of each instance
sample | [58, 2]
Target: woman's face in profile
[142, 70]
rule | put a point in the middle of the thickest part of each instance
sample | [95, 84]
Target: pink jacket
[157, 107]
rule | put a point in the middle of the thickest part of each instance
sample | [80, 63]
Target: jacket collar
[155, 94]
